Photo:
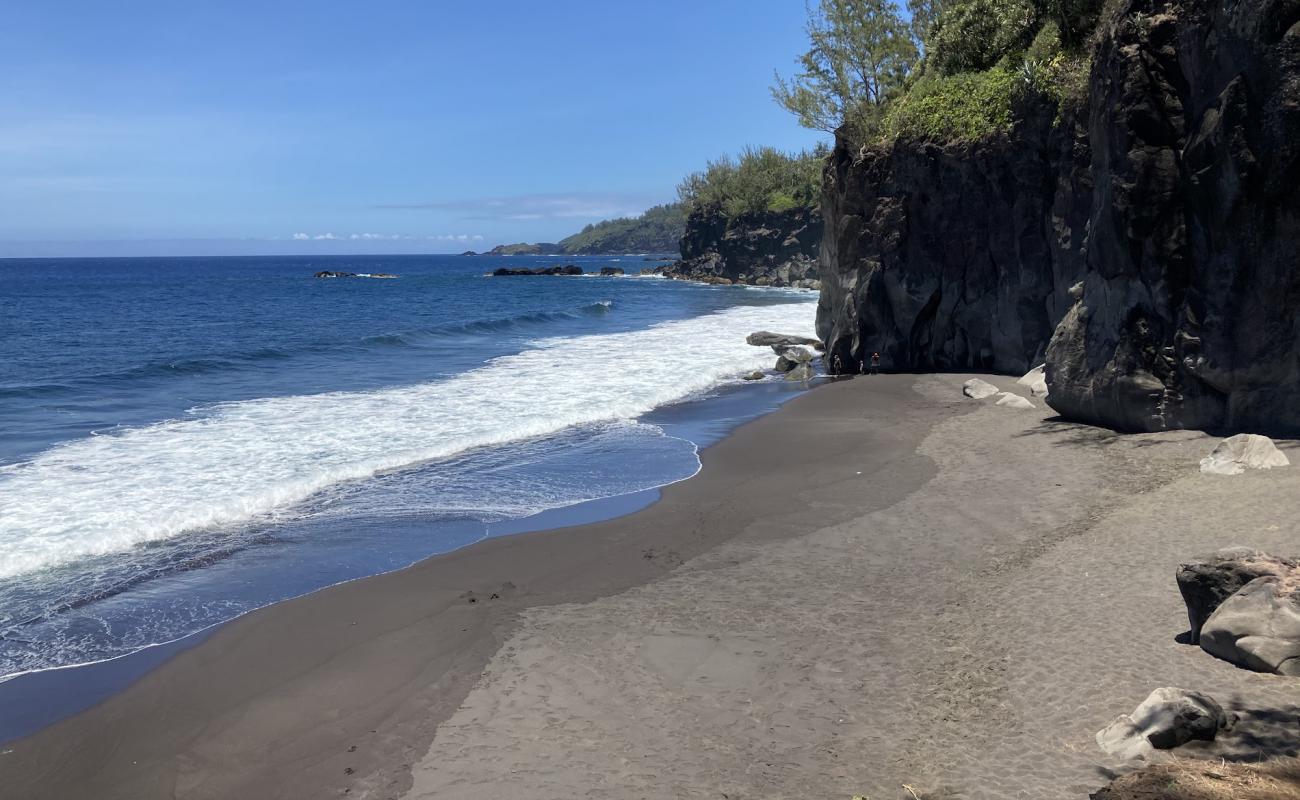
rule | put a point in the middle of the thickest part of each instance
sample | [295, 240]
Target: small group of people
[837, 366]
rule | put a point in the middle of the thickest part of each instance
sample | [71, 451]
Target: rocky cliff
[775, 248]
[1144, 245]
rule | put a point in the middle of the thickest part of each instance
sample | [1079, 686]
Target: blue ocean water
[186, 439]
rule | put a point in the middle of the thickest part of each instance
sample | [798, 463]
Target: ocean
[183, 440]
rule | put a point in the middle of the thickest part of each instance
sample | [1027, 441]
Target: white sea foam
[233, 462]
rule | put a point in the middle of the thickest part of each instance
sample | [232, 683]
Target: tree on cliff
[861, 53]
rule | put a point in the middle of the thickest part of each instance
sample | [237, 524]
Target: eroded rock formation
[769, 249]
[1144, 245]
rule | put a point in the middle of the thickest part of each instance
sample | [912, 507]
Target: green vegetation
[861, 53]
[658, 230]
[762, 179]
[982, 58]
[969, 105]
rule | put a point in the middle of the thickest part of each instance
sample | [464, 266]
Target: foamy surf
[231, 463]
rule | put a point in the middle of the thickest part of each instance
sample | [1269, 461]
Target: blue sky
[202, 127]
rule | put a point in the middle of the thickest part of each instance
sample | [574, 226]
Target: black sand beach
[882, 583]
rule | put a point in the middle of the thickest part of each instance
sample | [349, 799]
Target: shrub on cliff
[973, 35]
[981, 57]
[969, 105]
[762, 179]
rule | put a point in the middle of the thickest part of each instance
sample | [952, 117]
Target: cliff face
[768, 249]
[1145, 247]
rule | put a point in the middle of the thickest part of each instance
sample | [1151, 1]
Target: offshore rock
[567, 269]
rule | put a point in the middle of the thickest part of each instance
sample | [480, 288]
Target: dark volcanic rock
[567, 269]
[1150, 237]
[943, 257]
[611, 271]
[769, 249]
[331, 274]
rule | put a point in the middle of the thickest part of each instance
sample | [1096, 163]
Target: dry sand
[883, 583]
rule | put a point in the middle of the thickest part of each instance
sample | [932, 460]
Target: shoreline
[881, 582]
[42, 697]
[188, 673]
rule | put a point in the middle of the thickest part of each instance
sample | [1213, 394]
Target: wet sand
[882, 583]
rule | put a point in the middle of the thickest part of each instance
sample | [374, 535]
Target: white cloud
[388, 237]
[540, 206]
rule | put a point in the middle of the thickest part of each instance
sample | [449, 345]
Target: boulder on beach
[767, 339]
[1258, 627]
[795, 353]
[979, 389]
[1236, 454]
[801, 372]
[756, 375]
[1169, 717]
[1207, 581]
[1036, 380]
[1013, 400]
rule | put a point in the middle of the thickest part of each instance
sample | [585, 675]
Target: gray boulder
[1236, 454]
[1035, 381]
[979, 389]
[1012, 400]
[801, 372]
[756, 375]
[1207, 581]
[1259, 626]
[799, 355]
[1168, 718]
[768, 339]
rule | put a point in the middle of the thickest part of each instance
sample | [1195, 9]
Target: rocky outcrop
[567, 269]
[953, 256]
[610, 272]
[768, 249]
[1142, 246]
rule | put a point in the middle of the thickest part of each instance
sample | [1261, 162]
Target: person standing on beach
[875, 363]
[836, 366]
